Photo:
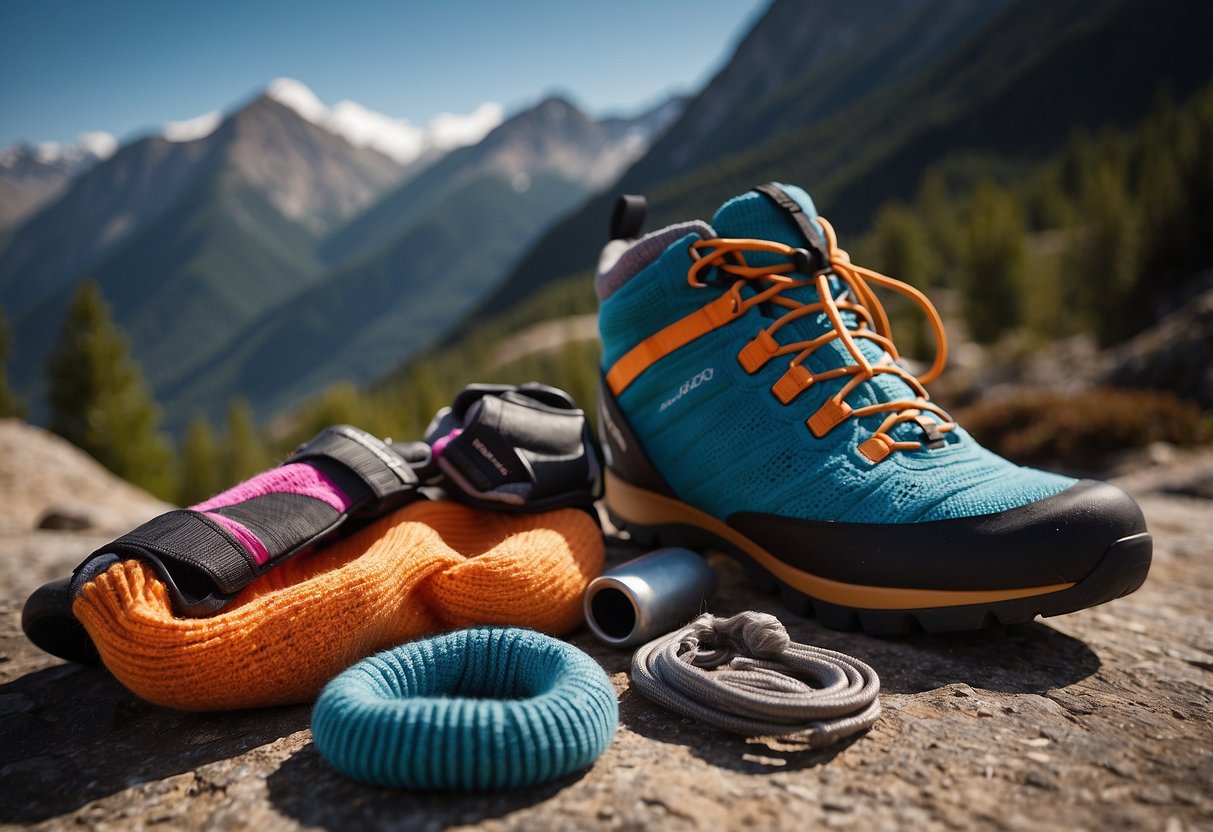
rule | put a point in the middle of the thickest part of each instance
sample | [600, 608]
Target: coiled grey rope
[758, 692]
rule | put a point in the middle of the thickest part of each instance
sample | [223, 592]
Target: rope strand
[744, 674]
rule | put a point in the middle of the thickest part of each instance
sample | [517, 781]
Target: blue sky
[127, 67]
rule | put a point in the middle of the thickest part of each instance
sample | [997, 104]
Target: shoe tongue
[759, 216]
[784, 214]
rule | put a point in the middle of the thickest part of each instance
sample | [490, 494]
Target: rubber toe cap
[1060, 539]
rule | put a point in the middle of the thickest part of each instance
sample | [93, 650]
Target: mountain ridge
[357, 322]
[863, 151]
[194, 240]
[363, 316]
[36, 178]
[572, 144]
[99, 210]
[32, 176]
[210, 233]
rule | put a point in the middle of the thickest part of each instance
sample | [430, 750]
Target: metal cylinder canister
[647, 597]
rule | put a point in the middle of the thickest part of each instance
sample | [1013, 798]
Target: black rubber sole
[48, 622]
[1121, 570]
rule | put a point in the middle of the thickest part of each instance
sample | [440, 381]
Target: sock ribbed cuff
[467, 711]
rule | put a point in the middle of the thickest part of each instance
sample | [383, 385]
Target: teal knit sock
[478, 709]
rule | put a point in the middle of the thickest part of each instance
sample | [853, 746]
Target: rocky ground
[1094, 720]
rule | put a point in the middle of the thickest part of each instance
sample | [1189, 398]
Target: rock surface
[1098, 719]
[1173, 355]
[43, 475]
[57, 504]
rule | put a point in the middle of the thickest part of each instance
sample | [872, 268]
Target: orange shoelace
[871, 323]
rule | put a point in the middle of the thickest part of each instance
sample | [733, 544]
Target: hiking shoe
[753, 401]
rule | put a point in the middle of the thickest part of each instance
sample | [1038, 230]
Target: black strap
[811, 233]
[192, 539]
[373, 461]
[204, 566]
[526, 448]
[283, 522]
[628, 217]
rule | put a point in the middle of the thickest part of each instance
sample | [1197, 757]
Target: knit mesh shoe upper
[726, 444]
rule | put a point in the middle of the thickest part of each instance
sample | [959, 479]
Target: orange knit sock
[431, 566]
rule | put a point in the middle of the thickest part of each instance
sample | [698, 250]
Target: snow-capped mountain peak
[31, 176]
[299, 97]
[191, 129]
[70, 157]
[398, 139]
[363, 127]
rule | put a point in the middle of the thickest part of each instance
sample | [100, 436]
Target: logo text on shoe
[702, 377]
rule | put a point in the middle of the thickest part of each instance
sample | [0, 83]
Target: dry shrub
[1082, 430]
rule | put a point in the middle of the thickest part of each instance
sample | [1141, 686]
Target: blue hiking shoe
[753, 401]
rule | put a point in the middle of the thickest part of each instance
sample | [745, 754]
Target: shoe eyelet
[792, 383]
[875, 449]
[755, 354]
[831, 414]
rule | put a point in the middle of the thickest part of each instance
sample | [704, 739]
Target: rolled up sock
[208, 553]
[429, 567]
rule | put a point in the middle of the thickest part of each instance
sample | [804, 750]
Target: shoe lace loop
[871, 322]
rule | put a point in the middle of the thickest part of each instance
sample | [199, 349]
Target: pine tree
[340, 403]
[1104, 262]
[1076, 161]
[901, 248]
[244, 451]
[1198, 198]
[98, 399]
[10, 405]
[902, 245]
[1173, 194]
[994, 257]
[1046, 203]
[425, 391]
[936, 209]
[200, 463]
